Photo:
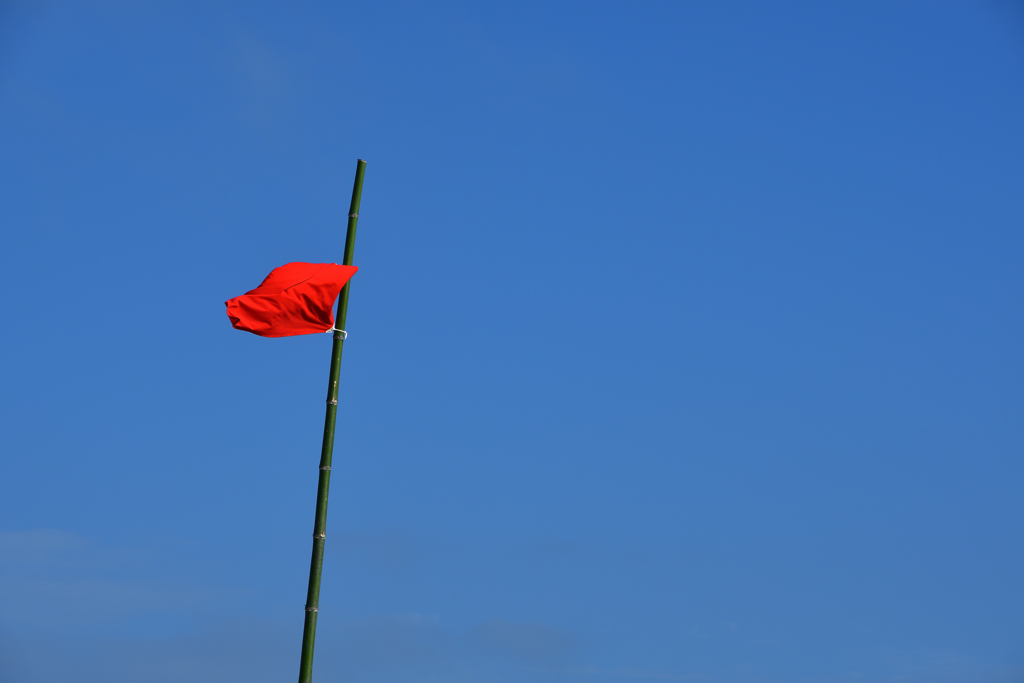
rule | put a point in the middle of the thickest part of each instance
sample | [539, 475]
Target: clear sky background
[686, 344]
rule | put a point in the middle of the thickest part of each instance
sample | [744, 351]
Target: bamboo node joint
[311, 609]
[325, 468]
[333, 401]
[353, 215]
[320, 535]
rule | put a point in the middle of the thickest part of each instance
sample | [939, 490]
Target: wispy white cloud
[263, 76]
[385, 547]
[379, 649]
[60, 591]
[48, 550]
[530, 643]
[84, 603]
[37, 546]
[391, 649]
[261, 67]
[54, 580]
[236, 652]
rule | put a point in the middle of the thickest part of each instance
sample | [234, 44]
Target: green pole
[316, 564]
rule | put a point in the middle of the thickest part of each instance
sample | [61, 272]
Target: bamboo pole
[327, 450]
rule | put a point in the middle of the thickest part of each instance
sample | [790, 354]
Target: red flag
[296, 298]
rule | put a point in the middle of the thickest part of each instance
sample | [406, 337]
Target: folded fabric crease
[297, 298]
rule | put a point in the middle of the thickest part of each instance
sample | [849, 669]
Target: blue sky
[686, 342]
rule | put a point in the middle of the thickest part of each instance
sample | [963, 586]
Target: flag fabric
[297, 298]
